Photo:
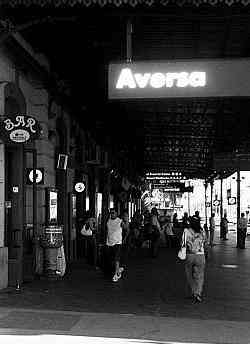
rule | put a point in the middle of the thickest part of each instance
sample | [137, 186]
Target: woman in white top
[194, 240]
[114, 243]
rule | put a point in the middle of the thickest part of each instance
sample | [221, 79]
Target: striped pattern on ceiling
[122, 3]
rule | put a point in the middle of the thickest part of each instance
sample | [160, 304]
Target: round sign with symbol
[216, 203]
[232, 200]
[35, 176]
[80, 187]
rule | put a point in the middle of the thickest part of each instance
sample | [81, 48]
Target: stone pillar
[3, 250]
[221, 199]
[206, 203]
[211, 197]
[2, 194]
[105, 203]
[238, 201]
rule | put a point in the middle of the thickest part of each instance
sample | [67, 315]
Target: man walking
[114, 242]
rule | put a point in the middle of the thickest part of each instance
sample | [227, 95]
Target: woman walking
[194, 240]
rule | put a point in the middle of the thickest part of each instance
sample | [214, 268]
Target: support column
[2, 196]
[189, 200]
[3, 249]
[206, 203]
[238, 201]
[105, 203]
[211, 197]
[129, 41]
[221, 203]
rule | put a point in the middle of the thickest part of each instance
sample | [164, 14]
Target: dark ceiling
[162, 135]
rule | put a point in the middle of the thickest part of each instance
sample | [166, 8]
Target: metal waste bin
[51, 240]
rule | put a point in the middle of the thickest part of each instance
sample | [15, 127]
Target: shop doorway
[14, 208]
[20, 214]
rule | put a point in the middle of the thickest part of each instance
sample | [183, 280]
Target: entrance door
[30, 214]
[14, 219]
[20, 219]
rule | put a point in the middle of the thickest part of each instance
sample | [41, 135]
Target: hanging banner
[175, 79]
[17, 129]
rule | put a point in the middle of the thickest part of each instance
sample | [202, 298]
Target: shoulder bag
[182, 253]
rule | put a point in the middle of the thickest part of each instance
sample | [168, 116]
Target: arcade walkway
[149, 303]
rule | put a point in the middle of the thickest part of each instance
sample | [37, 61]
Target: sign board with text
[17, 129]
[179, 79]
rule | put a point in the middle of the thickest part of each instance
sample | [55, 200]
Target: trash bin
[51, 240]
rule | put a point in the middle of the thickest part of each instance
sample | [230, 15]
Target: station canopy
[170, 134]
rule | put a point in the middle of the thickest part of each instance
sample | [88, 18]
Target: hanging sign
[15, 189]
[36, 176]
[216, 203]
[179, 79]
[231, 200]
[18, 129]
[79, 187]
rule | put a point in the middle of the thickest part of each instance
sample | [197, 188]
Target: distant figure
[212, 229]
[242, 231]
[185, 220]
[154, 234]
[175, 221]
[196, 220]
[206, 231]
[168, 231]
[125, 236]
[136, 224]
[224, 227]
[196, 217]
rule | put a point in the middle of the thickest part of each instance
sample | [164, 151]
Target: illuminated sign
[158, 80]
[19, 128]
[172, 190]
[182, 78]
[173, 187]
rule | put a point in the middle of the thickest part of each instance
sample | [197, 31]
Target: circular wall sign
[216, 203]
[80, 187]
[38, 176]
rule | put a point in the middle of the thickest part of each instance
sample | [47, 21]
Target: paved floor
[148, 303]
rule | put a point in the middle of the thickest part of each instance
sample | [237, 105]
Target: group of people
[121, 234]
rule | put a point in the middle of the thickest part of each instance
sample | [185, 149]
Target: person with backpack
[194, 240]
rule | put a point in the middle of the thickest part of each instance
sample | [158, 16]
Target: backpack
[195, 243]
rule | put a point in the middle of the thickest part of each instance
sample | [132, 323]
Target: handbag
[182, 253]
